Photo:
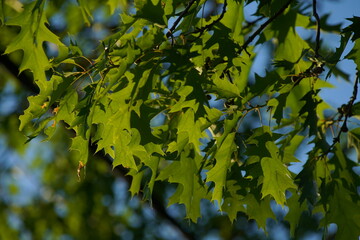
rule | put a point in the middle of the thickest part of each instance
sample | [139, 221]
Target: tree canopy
[167, 93]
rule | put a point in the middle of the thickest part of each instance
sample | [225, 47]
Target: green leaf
[138, 176]
[279, 104]
[183, 92]
[290, 146]
[296, 209]
[256, 148]
[135, 186]
[310, 108]
[30, 40]
[354, 54]
[151, 11]
[354, 27]
[233, 203]
[307, 182]
[263, 85]
[277, 178]
[81, 147]
[169, 9]
[114, 4]
[345, 212]
[218, 173]
[128, 149]
[114, 118]
[52, 90]
[240, 77]
[85, 12]
[355, 109]
[344, 169]
[354, 140]
[190, 189]
[233, 19]
[1, 13]
[147, 101]
[335, 57]
[189, 130]
[291, 45]
[225, 88]
[153, 164]
[151, 37]
[259, 210]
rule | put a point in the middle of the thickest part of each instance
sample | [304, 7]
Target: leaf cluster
[170, 96]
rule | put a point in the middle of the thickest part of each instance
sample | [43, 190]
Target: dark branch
[170, 32]
[317, 47]
[262, 27]
[345, 110]
[316, 67]
[209, 26]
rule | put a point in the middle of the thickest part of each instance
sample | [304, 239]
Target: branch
[262, 27]
[317, 30]
[345, 110]
[202, 30]
[316, 67]
[170, 32]
[157, 205]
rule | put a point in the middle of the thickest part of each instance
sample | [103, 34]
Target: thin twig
[347, 113]
[316, 67]
[316, 15]
[203, 29]
[262, 27]
[170, 32]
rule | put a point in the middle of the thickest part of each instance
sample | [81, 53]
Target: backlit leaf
[223, 160]
[30, 40]
[277, 178]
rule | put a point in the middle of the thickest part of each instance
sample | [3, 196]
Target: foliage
[170, 95]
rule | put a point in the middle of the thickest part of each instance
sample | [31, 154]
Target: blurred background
[41, 196]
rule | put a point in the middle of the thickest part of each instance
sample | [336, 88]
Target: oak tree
[170, 96]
